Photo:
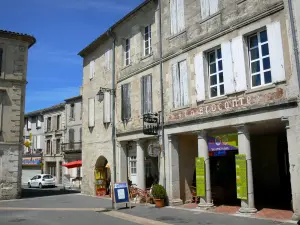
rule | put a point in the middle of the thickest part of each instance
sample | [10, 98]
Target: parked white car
[42, 180]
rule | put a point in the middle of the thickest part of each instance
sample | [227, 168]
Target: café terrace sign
[242, 102]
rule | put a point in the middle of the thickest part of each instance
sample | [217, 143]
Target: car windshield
[48, 177]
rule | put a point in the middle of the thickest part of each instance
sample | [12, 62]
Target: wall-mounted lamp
[100, 94]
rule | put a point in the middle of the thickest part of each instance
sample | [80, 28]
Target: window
[132, 164]
[92, 69]
[91, 114]
[209, 7]
[38, 122]
[48, 147]
[1, 116]
[126, 107]
[146, 94]
[48, 124]
[57, 122]
[180, 84]
[260, 67]
[47, 177]
[72, 111]
[177, 16]
[28, 123]
[107, 60]
[71, 138]
[57, 146]
[147, 41]
[215, 71]
[127, 52]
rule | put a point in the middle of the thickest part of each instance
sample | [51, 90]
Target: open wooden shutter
[227, 67]
[106, 107]
[107, 59]
[128, 103]
[176, 86]
[213, 6]
[184, 83]
[91, 112]
[92, 69]
[239, 67]
[276, 52]
[199, 73]
[149, 93]
[180, 15]
[204, 4]
[173, 15]
[53, 146]
[142, 96]
[38, 142]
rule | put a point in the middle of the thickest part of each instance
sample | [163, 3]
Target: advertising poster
[200, 177]
[241, 177]
[221, 142]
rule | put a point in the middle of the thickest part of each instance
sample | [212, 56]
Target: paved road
[77, 209]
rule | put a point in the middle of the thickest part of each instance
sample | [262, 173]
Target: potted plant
[159, 194]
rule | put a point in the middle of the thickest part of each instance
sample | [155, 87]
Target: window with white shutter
[126, 106]
[106, 107]
[147, 41]
[199, 73]
[177, 16]
[28, 123]
[92, 69]
[107, 59]
[39, 122]
[1, 112]
[91, 109]
[180, 84]
[208, 7]
[215, 72]
[127, 52]
[1, 53]
[259, 59]
[146, 94]
[38, 142]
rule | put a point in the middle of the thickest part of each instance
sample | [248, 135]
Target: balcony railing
[72, 147]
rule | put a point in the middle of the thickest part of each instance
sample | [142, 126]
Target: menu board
[200, 177]
[241, 177]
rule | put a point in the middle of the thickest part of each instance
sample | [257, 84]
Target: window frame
[72, 111]
[216, 73]
[262, 71]
[49, 123]
[127, 58]
[48, 147]
[132, 159]
[143, 94]
[58, 118]
[149, 40]
[58, 145]
[125, 106]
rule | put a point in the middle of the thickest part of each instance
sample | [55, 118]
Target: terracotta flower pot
[159, 203]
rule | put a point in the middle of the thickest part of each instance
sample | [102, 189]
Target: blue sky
[62, 28]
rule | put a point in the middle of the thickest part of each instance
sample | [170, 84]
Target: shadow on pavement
[35, 192]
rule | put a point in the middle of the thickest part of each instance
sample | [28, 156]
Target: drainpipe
[113, 120]
[162, 118]
[295, 45]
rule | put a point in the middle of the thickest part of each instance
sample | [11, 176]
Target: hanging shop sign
[241, 177]
[150, 123]
[31, 161]
[120, 194]
[200, 177]
[223, 142]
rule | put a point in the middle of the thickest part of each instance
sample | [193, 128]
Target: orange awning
[73, 164]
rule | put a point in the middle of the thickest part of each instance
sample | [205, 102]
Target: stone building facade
[229, 76]
[32, 155]
[13, 70]
[72, 146]
[54, 136]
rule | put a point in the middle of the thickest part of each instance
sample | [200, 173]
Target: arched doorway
[102, 176]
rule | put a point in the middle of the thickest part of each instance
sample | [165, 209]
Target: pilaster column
[123, 166]
[57, 172]
[205, 201]
[293, 134]
[174, 192]
[247, 206]
[140, 167]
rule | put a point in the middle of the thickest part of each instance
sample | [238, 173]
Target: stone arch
[102, 176]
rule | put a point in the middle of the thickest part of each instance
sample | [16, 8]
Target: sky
[62, 28]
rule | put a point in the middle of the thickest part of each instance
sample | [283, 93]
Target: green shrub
[158, 192]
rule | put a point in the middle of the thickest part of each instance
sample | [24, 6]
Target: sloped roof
[18, 36]
[42, 111]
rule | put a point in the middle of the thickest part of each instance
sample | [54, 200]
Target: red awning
[73, 164]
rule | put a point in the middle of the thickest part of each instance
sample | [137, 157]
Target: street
[67, 208]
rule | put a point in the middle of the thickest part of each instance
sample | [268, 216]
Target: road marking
[135, 219]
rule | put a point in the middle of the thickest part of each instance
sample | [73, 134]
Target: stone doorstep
[265, 213]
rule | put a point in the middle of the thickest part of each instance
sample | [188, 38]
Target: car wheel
[40, 185]
[29, 185]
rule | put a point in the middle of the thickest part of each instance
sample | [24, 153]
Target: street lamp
[100, 94]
